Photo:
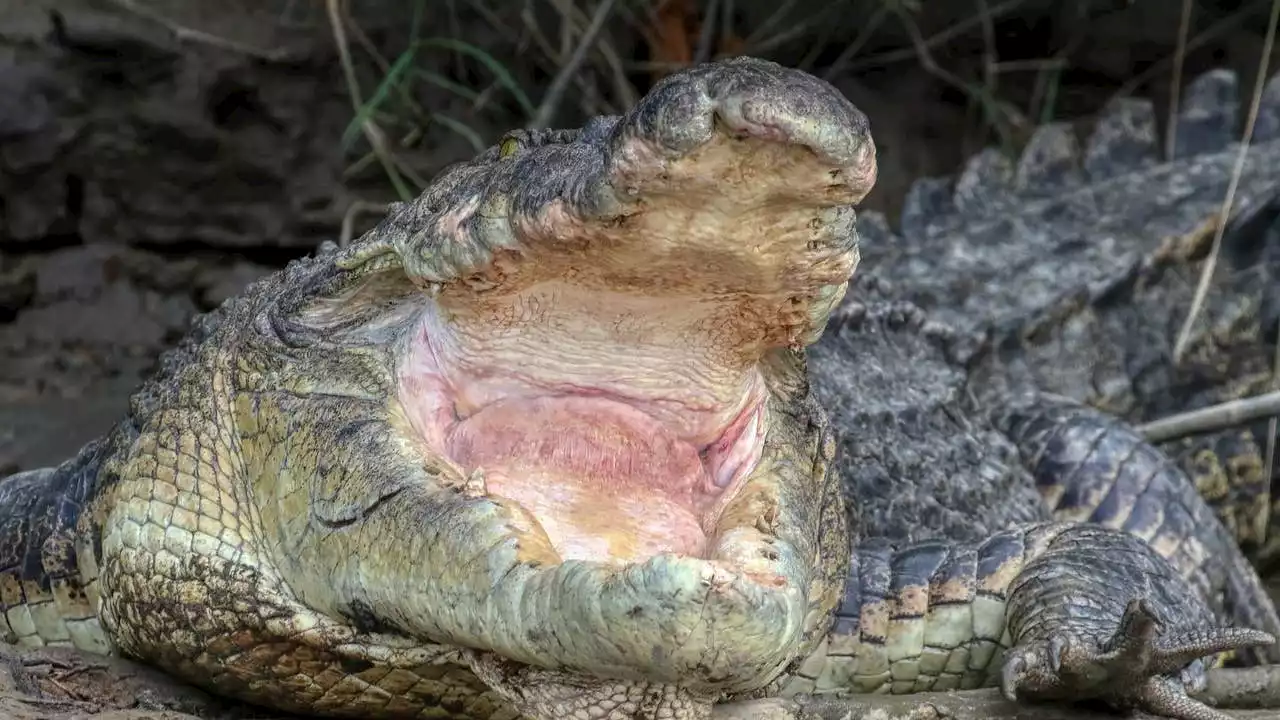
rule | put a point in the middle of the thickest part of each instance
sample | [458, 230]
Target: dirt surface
[56, 684]
[150, 168]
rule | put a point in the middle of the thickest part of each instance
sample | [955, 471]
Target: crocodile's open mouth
[603, 443]
[610, 384]
[597, 339]
[601, 307]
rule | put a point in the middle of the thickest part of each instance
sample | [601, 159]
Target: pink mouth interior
[606, 478]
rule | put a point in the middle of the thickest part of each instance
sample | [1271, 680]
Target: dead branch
[1175, 83]
[555, 92]
[372, 133]
[1212, 418]
[1251, 687]
[184, 34]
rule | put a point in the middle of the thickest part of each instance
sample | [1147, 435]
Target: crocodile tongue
[609, 482]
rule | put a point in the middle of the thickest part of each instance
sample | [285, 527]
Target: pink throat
[606, 479]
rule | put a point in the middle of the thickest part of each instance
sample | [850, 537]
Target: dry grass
[473, 68]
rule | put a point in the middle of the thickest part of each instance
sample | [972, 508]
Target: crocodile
[543, 443]
[1075, 263]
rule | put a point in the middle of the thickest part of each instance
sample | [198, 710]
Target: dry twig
[953, 31]
[1217, 29]
[555, 91]
[998, 116]
[1212, 418]
[811, 19]
[182, 33]
[1175, 84]
[1272, 424]
[372, 133]
[707, 33]
[354, 210]
[852, 49]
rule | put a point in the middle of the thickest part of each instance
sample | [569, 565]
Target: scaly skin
[923, 461]
[1074, 266]
[276, 520]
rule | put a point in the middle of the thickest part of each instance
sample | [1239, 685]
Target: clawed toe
[1140, 667]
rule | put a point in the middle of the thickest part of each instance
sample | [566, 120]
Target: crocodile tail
[1094, 336]
[44, 598]
[1124, 139]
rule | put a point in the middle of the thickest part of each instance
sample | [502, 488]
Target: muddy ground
[155, 160]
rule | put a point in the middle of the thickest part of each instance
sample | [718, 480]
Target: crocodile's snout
[811, 143]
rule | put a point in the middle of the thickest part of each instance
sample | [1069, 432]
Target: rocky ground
[65, 685]
[156, 157]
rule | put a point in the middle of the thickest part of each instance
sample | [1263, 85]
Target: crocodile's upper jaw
[591, 351]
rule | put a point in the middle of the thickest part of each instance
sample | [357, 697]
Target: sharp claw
[1057, 646]
[1139, 667]
[1144, 617]
[1139, 631]
[1010, 674]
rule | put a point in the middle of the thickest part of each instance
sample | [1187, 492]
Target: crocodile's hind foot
[1140, 667]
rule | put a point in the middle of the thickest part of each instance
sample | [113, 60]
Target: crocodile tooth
[927, 202]
[428, 263]
[476, 486]
[986, 177]
[491, 225]
[1208, 119]
[838, 228]
[1051, 160]
[1267, 127]
[1123, 140]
